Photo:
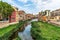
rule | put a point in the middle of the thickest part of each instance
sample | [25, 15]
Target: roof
[29, 14]
[21, 12]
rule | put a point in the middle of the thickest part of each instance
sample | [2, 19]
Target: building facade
[55, 15]
[22, 15]
[29, 16]
[14, 17]
[44, 15]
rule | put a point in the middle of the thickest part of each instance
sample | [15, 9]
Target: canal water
[26, 35]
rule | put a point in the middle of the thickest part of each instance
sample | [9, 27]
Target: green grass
[45, 31]
[7, 29]
[6, 32]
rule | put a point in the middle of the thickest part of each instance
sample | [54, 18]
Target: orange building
[44, 15]
[44, 18]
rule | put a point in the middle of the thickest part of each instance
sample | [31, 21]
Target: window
[20, 16]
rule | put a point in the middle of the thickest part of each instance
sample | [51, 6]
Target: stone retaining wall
[55, 23]
[6, 23]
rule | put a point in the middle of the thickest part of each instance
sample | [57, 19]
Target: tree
[5, 9]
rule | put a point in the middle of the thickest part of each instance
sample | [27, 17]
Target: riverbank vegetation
[17, 38]
[6, 32]
[45, 31]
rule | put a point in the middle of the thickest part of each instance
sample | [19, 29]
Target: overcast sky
[34, 6]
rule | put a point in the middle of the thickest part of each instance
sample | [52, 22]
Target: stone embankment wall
[55, 23]
[6, 23]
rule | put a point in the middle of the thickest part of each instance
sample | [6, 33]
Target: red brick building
[14, 17]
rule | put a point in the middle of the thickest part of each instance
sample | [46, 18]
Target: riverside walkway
[55, 23]
[6, 23]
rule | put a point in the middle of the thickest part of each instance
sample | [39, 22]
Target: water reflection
[25, 35]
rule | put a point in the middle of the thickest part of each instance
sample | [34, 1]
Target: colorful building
[29, 16]
[14, 17]
[22, 15]
[55, 15]
[44, 15]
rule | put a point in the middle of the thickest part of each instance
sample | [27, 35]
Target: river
[26, 35]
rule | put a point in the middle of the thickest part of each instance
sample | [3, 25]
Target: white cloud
[55, 4]
[48, 4]
[42, 5]
[39, 4]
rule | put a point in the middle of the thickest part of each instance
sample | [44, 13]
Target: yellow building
[16, 14]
